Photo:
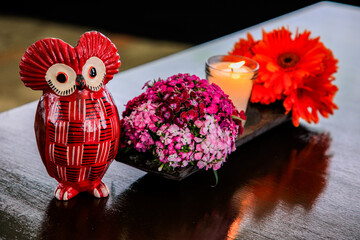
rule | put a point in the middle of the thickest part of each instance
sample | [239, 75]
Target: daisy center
[288, 60]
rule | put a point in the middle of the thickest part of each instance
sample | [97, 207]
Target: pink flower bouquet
[182, 121]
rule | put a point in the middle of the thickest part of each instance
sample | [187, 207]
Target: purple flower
[212, 109]
[182, 120]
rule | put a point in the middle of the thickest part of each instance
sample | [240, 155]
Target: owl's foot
[65, 192]
[100, 191]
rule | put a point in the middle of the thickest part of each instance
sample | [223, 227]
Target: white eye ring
[94, 72]
[61, 79]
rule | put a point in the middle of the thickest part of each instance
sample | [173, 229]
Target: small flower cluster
[297, 70]
[182, 120]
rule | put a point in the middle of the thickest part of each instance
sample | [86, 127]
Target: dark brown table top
[289, 183]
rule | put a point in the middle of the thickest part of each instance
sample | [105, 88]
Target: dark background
[183, 21]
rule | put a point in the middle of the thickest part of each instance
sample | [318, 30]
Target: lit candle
[234, 75]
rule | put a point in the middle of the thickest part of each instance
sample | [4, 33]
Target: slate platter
[260, 119]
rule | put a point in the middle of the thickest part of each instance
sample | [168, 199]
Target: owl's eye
[61, 79]
[94, 72]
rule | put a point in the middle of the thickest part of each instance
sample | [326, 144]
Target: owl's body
[78, 137]
[76, 124]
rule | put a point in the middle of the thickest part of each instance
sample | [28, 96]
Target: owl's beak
[80, 82]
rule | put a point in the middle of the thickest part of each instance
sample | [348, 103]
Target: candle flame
[236, 65]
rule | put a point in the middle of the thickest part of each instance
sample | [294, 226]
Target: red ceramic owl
[76, 122]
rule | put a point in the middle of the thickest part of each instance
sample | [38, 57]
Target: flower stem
[216, 178]
[236, 117]
[161, 167]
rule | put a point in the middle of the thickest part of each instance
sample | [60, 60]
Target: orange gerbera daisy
[286, 61]
[263, 95]
[243, 47]
[297, 70]
[315, 95]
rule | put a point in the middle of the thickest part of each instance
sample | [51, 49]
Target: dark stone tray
[260, 118]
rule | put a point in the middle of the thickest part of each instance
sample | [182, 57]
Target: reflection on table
[251, 189]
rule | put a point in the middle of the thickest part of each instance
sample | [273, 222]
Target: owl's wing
[40, 129]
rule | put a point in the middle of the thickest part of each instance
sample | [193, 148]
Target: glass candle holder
[234, 75]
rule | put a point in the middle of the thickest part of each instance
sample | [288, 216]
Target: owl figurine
[76, 121]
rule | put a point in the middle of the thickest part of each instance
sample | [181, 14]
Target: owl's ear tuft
[40, 56]
[96, 44]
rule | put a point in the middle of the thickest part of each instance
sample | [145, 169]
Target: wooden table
[289, 183]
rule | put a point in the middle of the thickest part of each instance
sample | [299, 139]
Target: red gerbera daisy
[285, 61]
